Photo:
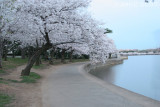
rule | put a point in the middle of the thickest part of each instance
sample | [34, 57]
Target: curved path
[70, 86]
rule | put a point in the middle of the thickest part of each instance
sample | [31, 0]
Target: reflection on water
[140, 74]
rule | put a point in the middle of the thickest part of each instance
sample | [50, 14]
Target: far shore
[138, 54]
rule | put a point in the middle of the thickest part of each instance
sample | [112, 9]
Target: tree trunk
[26, 71]
[110, 55]
[71, 55]
[23, 52]
[38, 59]
[57, 54]
[5, 53]
[52, 55]
[29, 53]
[13, 54]
[1, 50]
[46, 55]
[62, 55]
[0, 60]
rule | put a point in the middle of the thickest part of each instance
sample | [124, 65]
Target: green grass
[12, 63]
[80, 60]
[31, 78]
[2, 81]
[41, 66]
[5, 99]
[15, 81]
[2, 71]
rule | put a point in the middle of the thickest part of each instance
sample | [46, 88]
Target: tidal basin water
[140, 74]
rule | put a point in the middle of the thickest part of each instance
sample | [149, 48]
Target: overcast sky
[135, 24]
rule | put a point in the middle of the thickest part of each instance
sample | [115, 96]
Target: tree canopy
[56, 23]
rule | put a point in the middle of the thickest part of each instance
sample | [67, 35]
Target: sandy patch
[25, 95]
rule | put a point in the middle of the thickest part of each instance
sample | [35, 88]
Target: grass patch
[25, 79]
[41, 66]
[17, 61]
[15, 81]
[2, 81]
[31, 78]
[12, 63]
[2, 71]
[80, 60]
[5, 99]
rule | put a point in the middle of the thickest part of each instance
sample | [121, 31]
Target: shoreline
[135, 97]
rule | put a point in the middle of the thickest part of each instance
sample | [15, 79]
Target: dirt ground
[25, 95]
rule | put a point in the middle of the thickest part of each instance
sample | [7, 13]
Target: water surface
[140, 74]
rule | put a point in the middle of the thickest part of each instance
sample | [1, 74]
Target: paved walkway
[69, 86]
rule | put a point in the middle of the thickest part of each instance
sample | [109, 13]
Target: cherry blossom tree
[46, 21]
[53, 23]
[6, 7]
